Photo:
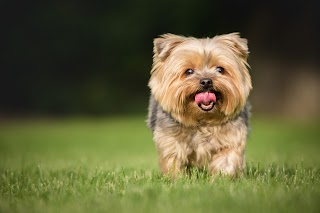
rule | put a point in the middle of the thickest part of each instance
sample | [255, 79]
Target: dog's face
[200, 80]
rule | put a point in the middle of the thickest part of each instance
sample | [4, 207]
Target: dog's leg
[228, 162]
[173, 156]
[171, 166]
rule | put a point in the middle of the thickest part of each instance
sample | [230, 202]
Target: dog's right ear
[165, 44]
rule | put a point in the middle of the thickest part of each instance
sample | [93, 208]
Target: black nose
[206, 83]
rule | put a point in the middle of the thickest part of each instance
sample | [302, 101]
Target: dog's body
[198, 110]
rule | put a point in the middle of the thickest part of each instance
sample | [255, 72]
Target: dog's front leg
[173, 156]
[230, 161]
[170, 165]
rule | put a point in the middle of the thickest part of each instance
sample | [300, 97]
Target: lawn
[110, 165]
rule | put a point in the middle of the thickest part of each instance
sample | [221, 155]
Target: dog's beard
[191, 104]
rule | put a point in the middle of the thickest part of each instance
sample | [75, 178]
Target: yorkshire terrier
[198, 110]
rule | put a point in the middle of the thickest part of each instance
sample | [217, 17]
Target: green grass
[110, 165]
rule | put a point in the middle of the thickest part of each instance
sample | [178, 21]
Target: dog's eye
[220, 70]
[189, 71]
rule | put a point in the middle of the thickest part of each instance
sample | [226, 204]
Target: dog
[198, 110]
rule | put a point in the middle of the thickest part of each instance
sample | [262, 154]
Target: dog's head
[200, 80]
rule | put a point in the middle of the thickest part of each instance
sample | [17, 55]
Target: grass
[110, 165]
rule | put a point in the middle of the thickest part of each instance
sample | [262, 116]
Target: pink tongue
[205, 98]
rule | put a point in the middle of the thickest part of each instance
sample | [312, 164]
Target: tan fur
[184, 134]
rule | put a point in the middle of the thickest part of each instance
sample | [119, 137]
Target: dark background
[93, 58]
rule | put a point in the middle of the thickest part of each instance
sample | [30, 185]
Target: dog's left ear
[165, 44]
[236, 43]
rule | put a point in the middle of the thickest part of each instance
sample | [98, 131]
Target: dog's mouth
[206, 100]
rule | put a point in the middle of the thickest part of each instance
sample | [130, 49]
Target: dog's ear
[236, 43]
[165, 44]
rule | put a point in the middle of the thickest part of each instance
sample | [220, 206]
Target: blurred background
[93, 58]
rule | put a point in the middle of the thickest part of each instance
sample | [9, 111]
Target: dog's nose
[206, 83]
